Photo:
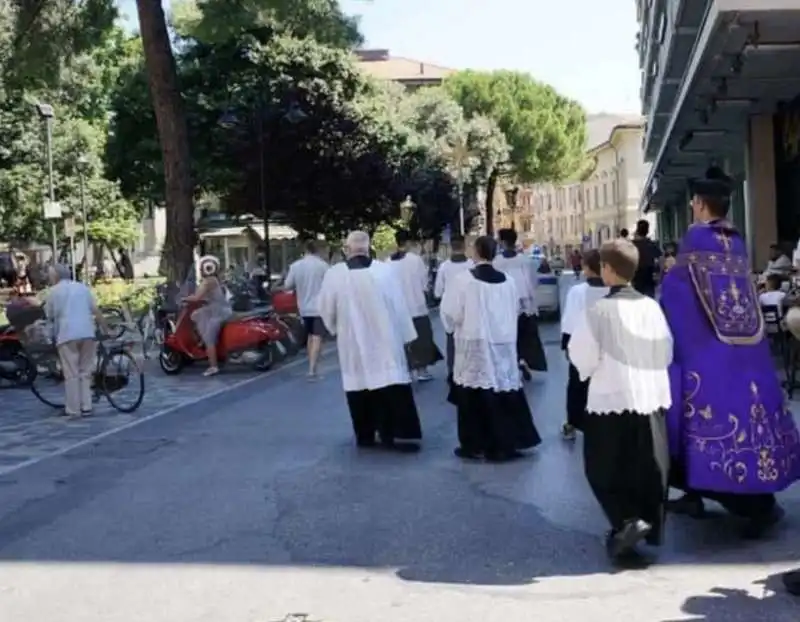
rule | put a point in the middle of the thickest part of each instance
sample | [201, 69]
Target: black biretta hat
[715, 184]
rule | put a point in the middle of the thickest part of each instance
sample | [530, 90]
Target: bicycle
[113, 364]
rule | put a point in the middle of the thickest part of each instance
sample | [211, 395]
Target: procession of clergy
[679, 392]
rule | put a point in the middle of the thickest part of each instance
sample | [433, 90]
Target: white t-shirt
[772, 299]
[305, 277]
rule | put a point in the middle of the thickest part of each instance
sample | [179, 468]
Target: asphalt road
[255, 504]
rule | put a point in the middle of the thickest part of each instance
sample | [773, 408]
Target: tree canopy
[545, 130]
[279, 119]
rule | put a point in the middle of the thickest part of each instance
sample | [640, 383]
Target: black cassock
[623, 468]
[529, 343]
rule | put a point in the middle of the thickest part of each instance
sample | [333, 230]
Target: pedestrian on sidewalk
[522, 270]
[305, 277]
[580, 298]
[450, 268]
[412, 277]
[479, 309]
[623, 347]
[363, 308]
[73, 312]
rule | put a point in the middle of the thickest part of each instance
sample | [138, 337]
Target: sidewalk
[30, 429]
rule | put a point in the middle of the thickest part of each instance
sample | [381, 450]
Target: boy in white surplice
[480, 308]
[579, 298]
[623, 346]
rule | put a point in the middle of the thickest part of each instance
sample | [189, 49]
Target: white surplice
[522, 269]
[412, 276]
[365, 311]
[623, 346]
[579, 298]
[446, 272]
[483, 319]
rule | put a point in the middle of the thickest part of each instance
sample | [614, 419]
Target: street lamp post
[461, 156]
[511, 201]
[83, 166]
[47, 113]
[229, 120]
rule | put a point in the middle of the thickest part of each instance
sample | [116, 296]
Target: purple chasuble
[728, 426]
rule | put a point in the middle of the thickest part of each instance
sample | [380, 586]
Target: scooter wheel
[171, 362]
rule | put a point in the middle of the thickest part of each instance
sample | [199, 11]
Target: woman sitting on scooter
[209, 318]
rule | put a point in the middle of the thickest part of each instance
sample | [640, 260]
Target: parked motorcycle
[247, 338]
[15, 366]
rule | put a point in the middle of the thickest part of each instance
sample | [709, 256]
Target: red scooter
[248, 338]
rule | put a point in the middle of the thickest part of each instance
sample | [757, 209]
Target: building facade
[584, 213]
[720, 82]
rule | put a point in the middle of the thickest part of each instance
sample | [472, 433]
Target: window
[605, 194]
[596, 196]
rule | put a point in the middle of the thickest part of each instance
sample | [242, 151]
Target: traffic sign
[52, 210]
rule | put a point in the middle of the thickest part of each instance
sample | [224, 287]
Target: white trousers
[77, 362]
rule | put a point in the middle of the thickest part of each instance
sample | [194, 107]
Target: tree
[219, 21]
[336, 170]
[173, 134]
[546, 131]
[79, 96]
[38, 39]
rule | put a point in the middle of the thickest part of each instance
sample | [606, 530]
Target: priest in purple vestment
[732, 439]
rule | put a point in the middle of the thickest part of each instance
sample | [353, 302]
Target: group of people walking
[679, 392]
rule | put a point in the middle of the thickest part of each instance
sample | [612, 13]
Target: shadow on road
[724, 605]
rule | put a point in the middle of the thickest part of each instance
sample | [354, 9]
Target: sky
[584, 48]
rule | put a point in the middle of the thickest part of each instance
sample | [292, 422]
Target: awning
[743, 64]
[276, 232]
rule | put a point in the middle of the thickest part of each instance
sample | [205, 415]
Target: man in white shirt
[412, 276]
[450, 268]
[779, 263]
[363, 308]
[305, 277]
[73, 311]
[773, 296]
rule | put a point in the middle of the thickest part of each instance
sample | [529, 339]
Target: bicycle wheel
[121, 380]
[47, 383]
[147, 328]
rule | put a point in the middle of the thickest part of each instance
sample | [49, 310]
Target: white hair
[358, 243]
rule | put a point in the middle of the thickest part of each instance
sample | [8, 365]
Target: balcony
[677, 33]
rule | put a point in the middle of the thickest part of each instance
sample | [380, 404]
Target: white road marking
[156, 415]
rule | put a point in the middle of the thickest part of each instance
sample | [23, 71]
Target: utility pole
[461, 157]
[47, 114]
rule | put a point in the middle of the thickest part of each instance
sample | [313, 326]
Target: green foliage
[546, 131]
[80, 98]
[39, 39]
[334, 170]
[222, 21]
[383, 237]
